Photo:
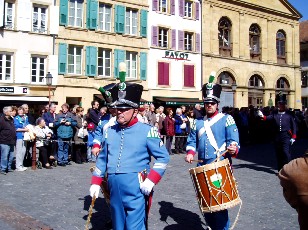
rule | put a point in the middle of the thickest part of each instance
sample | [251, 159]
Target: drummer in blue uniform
[125, 157]
[285, 130]
[213, 134]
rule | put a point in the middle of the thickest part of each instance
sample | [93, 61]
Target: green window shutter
[143, 66]
[93, 58]
[92, 7]
[119, 19]
[88, 60]
[63, 12]
[119, 56]
[143, 23]
[62, 58]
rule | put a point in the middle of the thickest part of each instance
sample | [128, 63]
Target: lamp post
[48, 83]
[233, 87]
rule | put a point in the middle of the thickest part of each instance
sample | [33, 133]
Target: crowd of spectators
[68, 135]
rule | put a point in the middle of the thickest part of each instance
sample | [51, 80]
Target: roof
[303, 31]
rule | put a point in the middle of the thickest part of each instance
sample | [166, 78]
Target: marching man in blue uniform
[213, 134]
[285, 129]
[126, 154]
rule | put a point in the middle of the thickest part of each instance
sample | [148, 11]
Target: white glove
[292, 140]
[94, 190]
[260, 114]
[146, 186]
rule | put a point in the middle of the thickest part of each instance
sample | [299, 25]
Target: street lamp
[48, 83]
[233, 87]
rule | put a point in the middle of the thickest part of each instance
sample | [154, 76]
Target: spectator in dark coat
[31, 118]
[64, 123]
[93, 116]
[197, 111]
[7, 140]
[49, 118]
[169, 128]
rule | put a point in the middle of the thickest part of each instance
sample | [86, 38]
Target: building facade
[253, 46]
[304, 61]
[94, 37]
[27, 50]
[174, 60]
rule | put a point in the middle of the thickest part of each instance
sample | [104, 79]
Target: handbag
[81, 132]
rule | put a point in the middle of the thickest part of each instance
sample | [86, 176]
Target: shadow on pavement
[184, 219]
[255, 167]
[100, 215]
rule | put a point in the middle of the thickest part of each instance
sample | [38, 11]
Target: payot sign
[175, 55]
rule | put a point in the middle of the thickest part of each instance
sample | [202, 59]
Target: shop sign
[175, 55]
[14, 89]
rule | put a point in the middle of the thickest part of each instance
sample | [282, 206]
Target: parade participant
[211, 136]
[285, 129]
[128, 146]
[293, 179]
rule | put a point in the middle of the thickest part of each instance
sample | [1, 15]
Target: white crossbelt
[207, 128]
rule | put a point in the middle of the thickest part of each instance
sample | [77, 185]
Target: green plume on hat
[211, 80]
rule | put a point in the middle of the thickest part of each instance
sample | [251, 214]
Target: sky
[302, 7]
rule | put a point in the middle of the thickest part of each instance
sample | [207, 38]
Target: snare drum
[215, 186]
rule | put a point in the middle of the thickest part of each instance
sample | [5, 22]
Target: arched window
[254, 41]
[281, 46]
[282, 83]
[224, 36]
[225, 78]
[256, 81]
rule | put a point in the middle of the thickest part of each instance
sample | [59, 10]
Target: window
[225, 78]
[189, 75]
[188, 41]
[282, 83]
[38, 69]
[304, 79]
[104, 62]
[39, 19]
[131, 64]
[6, 62]
[163, 73]
[131, 22]
[254, 39]
[163, 37]
[104, 17]
[163, 6]
[188, 9]
[74, 59]
[255, 81]
[9, 15]
[281, 47]
[75, 13]
[224, 37]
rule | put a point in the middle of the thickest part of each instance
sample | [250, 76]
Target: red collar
[132, 122]
[212, 115]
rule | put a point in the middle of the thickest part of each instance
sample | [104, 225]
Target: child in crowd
[91, 129]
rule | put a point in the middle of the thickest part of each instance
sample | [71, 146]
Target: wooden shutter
[155, 5]
[197, 7]
[163, 73]
[119, 56]
[62, 58]
[63, 12]
[154, 36]
[92, 7]
[181, 39]
[143, 23]
[173, 43]
[119, 19]
[172, 7]
[198, 42]
[189, 76]
[143, 66]
[181, 8]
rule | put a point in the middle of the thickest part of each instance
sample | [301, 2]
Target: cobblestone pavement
[58, 198]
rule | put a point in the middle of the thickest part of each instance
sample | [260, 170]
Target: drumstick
[199, 161]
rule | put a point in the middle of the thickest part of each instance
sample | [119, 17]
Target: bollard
[33, 167]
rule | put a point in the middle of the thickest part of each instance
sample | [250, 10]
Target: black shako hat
[281, 98]
[211, 91]
[124, 95]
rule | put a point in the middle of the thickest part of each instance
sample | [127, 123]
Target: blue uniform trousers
[127, 203]
[218, 220]
[282, 148]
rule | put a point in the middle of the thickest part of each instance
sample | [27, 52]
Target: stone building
[27, 50]
[303, 29]
[94, 37]
[254, 47]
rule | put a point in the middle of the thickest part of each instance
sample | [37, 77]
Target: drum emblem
[216, 179]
